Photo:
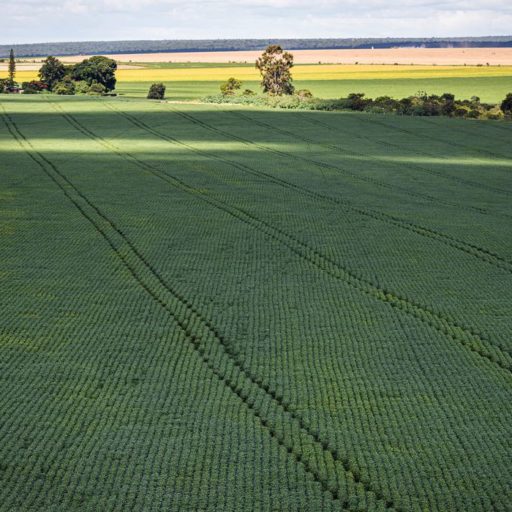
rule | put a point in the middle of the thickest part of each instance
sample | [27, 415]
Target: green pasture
[214, 308]
[489, 89]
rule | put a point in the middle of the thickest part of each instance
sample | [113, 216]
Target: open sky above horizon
[30, 21]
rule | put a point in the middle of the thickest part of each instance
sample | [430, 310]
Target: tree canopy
[156, 92]
[52, 71]
[98, 69]
[275, 65]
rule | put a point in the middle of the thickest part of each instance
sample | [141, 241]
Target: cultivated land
[186, 81]
[425, 56]
[209, 308]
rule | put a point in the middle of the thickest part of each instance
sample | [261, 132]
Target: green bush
[506, 104]
[156, 92]
[421, 104]
[229, 88]
[81, 87]
[64, 88]
[304, 94]
[96, 89]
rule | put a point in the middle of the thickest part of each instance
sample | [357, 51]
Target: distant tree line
[109, 47]
[420, 104]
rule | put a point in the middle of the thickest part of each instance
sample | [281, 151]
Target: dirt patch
[425, 56]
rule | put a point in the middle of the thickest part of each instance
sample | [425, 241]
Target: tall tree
[52, 71]
[274, 66]
[12, 69]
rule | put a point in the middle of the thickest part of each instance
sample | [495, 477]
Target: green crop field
[489, 89]
[211, 308]
[192, 81]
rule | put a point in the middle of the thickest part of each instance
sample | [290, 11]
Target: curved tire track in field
[466, 336]
[455, 179]
[452, 143]
[467, 247]
[121, 246]
[310, 120]
[462, 181]
[355, 176]
[192, 317]
[431, 120]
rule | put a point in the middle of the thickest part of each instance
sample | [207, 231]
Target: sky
[29, 21]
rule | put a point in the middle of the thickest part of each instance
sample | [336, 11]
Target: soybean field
[218, 308]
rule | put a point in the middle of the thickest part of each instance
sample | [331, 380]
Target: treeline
[93, 76]
[421, 104]
[110, 47]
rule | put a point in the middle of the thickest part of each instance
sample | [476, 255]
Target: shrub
[386, 104]
[357, 101]
[460, 112]
[229, 88]
[64, 88]
[33, 87]
[96, 89]
[81, 87]
[304, 93]
[494, 114]
[506, 104]
[248, 92]
[156, 92]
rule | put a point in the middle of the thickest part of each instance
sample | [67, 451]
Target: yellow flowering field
[302, 72]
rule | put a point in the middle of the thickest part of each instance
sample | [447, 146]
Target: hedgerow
[422, 104]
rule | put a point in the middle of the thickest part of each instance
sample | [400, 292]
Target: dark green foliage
[65, 87]
[230, 87]
[248, 92]
[81, 87]
[421, 104]
[34, 87]
[4, 82]
[96, 89]
[156, 92]
[98, 69]
[506, 105]
[11, 70]
[52, 71]
[275, 66]
[239, 310]
[152, 46]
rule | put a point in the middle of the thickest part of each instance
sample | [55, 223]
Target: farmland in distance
[224, 308]
[194, 80]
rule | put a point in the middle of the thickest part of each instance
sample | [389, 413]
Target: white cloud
[53, 20]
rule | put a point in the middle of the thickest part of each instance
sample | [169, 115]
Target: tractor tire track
[467, 247]
[235, 378]
[466, 336]
[406, 191]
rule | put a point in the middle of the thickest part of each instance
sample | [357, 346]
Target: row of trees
[155, 46]
[96, 75]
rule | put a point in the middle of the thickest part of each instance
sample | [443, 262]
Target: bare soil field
[36, 65]
[425, 56]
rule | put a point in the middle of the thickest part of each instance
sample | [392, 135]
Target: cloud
[53, 20]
